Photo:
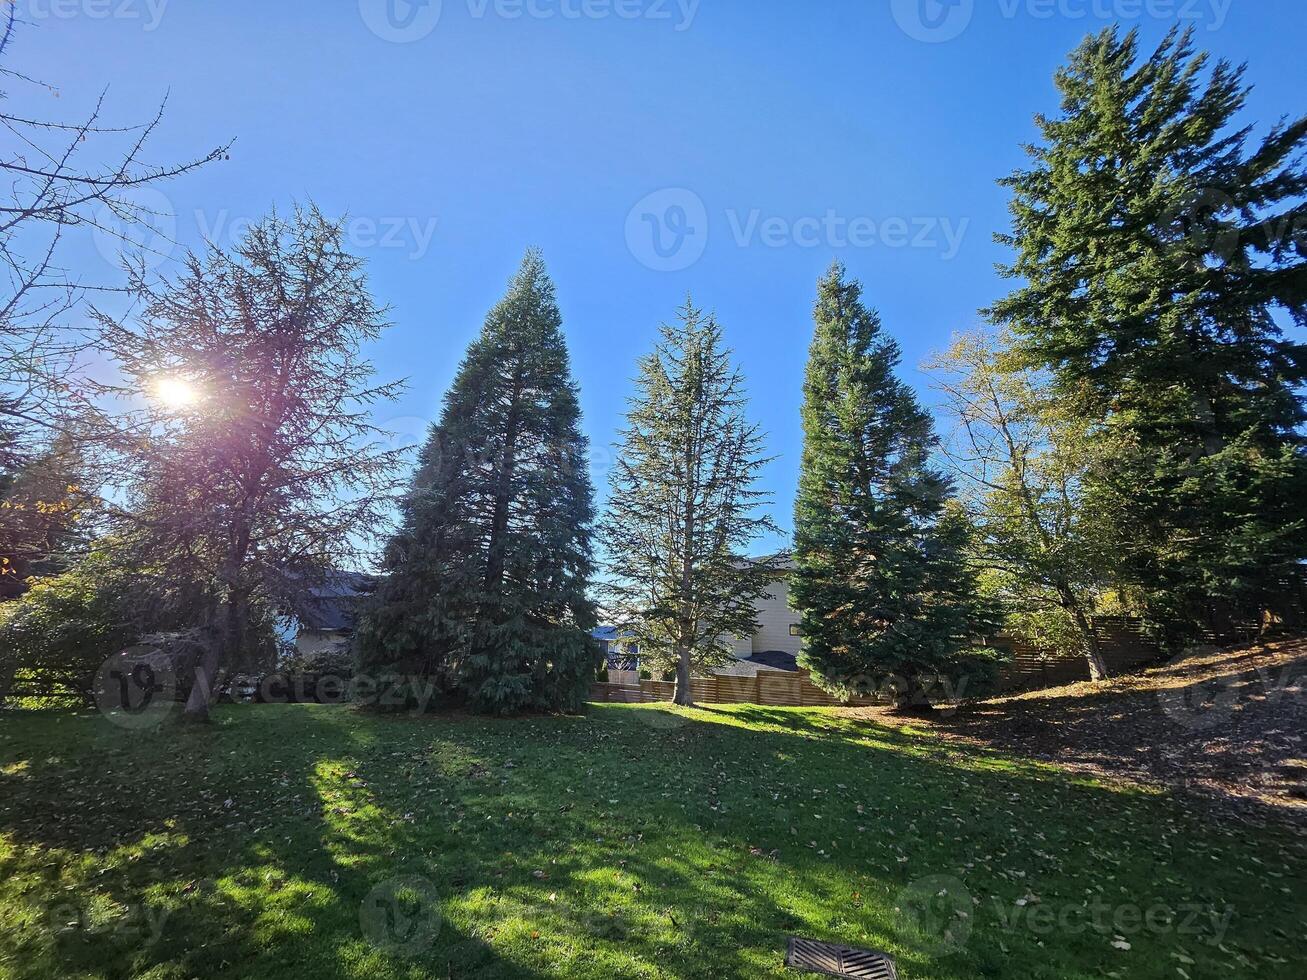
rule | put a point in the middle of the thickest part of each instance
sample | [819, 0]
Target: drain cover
[839, 961]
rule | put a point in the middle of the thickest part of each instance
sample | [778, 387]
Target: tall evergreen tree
[1156, 249]
[683, 507]
[486, 592]
[882, 583]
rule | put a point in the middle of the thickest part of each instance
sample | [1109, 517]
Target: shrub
[56, 636]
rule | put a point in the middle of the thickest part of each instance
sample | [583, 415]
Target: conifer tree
[1156, 249]
[882, 585]
[683, 507]
[486, 591]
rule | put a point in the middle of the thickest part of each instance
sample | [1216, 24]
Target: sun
[176, 394]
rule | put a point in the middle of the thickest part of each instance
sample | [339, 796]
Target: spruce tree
[882, 585]
[486, 585]
[1156, 249]
[683, 507]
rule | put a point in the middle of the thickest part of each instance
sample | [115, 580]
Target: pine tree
[486, 592]
[882, 584]
[683, 508]
[1156, 249]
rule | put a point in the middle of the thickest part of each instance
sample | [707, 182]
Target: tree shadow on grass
[634, 842]
[1223, 727]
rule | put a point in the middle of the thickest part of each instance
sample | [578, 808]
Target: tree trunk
[497, 546]
[224, 647]
[684, 693]
[912, 699]
[201, 696]
[1093, 650]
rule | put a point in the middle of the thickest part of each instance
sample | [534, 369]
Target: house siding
[775, 617]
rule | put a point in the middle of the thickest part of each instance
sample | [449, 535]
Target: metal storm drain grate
[839, 961]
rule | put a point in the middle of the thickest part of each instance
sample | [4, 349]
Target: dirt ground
[1228, 727]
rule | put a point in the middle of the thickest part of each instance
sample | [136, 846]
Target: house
[774, 645]
[324, 620]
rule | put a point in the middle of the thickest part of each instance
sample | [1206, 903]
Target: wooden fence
[778, 688]
[1124, 645]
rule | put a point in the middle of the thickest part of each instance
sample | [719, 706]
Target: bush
[55, 637]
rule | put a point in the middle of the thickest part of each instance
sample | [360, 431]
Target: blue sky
[758, 139]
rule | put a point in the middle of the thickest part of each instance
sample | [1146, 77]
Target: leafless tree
[56, 179]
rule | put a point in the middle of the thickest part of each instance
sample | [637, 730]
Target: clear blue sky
[507, 123]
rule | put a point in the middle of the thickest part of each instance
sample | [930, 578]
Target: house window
[794, 629]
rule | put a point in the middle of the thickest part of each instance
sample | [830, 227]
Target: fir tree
[881, 581]
[1156, 249]
[487, 577]
[683, 508]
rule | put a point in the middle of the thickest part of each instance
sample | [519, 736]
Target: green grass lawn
[303, 841]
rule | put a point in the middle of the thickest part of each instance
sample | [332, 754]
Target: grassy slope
[635, 842]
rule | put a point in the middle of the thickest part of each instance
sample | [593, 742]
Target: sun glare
[175, 393]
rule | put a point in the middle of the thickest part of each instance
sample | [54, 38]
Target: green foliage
[64, 627]
[41, 508]
[882, 582]
[1156, 249]
[683, 507]
[1022, 457]
[487, 578]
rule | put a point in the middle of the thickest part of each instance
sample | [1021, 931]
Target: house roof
[775, 659]
[331, 605]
